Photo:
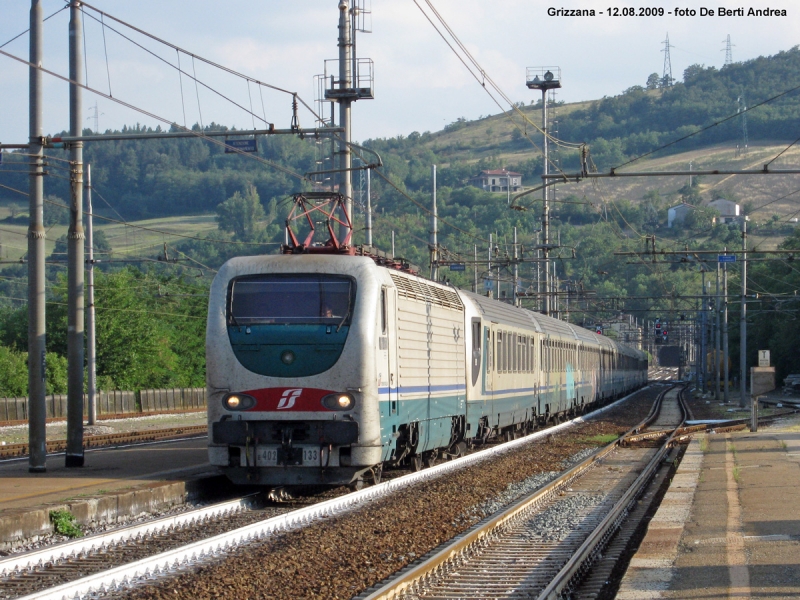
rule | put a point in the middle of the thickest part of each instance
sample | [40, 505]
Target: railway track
[100, 565]
[26, 575]
[545, 544]
[111, 439]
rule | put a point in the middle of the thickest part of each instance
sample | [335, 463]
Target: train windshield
[291, 299]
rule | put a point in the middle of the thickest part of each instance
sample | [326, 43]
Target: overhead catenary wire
[482, 81]
[198, 134]
[707, 127]
[486, 77]
[198, 57]
[16, 37]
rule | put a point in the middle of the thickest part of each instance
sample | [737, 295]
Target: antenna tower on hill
[666, 78]
[728, 52]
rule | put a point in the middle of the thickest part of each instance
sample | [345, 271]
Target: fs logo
[289, 397]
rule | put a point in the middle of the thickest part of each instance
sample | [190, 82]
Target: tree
[240, 214]
[652, 81]
[99, 241]
[55, 212]
[13, 209]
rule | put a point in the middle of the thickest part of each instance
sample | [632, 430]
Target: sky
[419, 83]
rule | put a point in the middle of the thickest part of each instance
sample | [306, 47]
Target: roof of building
[500, 172]
[686, 204]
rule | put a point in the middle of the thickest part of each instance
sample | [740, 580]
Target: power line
[181, 72]
[198, 134]
[707, 127]
[65, 7]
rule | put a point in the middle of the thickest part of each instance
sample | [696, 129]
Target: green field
[135, 239]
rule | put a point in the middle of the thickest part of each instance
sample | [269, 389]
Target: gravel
[340, 557]
[555, 523]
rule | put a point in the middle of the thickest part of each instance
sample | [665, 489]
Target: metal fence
[115, 402]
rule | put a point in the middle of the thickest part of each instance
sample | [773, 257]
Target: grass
[736, 475]
[64, 523]
[124, 240]
[602, 439]
[783, 444]
[704, 444]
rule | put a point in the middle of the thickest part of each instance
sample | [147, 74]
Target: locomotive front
[291, 388]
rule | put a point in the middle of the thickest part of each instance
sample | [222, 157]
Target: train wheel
[376, 472]
[357, 485]
[429, 458]
[460, 449]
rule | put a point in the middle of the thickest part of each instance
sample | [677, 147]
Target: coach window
[476, 350]
[499, 351]
[524, 342]
[490, 358]
[384, 320]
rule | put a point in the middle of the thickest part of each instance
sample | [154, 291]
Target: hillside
[231, 205]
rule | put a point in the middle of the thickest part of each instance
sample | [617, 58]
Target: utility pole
[475, 268]
[538, 270]
[666, 78]
[37, 415]
[434, 234]
[352, 86]
[717, 372]
[702, 370]
[516, 271]
[743, 400]
[368, 216]
[345, 83]
[91, 338]
[543, 79]
[728, 51]
[489, 262]
[725, 355]
[75, 240]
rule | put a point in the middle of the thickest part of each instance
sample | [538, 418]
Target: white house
[678, 213]
[728, 210]
[498, 180]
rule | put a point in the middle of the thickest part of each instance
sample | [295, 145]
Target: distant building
[728, 210]
[678, 213]
[498, 180]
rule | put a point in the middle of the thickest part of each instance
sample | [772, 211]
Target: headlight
[338, 402]
[238, 402]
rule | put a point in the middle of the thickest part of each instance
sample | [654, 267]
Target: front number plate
[311, 456]
[268, 456]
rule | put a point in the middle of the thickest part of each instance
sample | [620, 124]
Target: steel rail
[588, 551]
[196, 552]
[96, 543]
[396, 586]
[110, 439]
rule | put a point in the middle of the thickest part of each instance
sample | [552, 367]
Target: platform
[113, 483]
[729, 525]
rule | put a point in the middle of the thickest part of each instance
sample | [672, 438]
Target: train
[327, 369]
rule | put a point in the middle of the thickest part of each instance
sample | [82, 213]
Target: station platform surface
[729, 525]
[113, 483]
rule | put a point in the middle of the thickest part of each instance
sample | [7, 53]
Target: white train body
[336, 366]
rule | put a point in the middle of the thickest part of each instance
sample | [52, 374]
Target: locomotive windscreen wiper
[344, 318]
[347, 313]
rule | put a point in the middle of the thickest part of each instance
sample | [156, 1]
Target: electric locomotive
[323, 368]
